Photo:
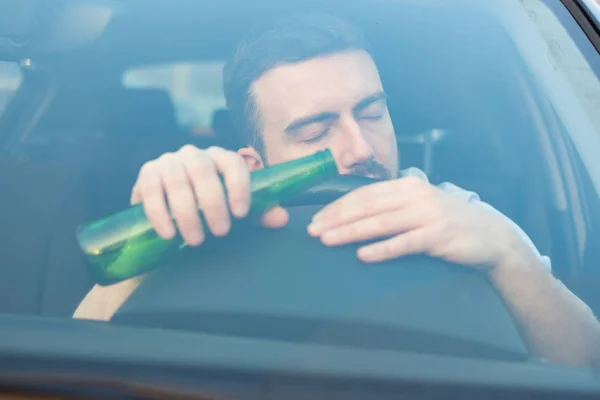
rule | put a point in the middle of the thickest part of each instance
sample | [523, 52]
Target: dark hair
[288, 40]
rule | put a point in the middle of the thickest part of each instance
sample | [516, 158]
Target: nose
[354, 148]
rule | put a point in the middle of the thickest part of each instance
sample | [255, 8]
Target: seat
[142, 125]
[479, 98]
[78, 164]
[43, 272]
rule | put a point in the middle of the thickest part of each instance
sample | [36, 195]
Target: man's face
[334, 101]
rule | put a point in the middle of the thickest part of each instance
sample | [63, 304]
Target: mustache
[371, 169]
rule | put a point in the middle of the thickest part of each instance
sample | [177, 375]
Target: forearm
[103, 301]
[557, 325]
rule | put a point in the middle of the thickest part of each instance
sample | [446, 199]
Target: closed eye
[373, 112]
[316, 136]
[371, 117]
[372, 108]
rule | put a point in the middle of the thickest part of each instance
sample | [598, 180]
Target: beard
[371, 169]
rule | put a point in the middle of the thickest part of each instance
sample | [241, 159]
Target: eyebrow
[312, 119]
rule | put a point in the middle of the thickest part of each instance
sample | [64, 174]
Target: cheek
[275, 148]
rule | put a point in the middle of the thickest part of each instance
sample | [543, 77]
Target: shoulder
[472, 197]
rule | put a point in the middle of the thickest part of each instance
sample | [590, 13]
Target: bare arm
[557, 325]
[103, 301]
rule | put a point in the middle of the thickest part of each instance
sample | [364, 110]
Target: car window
[10, 81]
[195, 89]
[572, 79]
[569, 52]
[500, 98]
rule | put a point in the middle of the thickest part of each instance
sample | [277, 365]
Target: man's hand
[412, 216]
[178, 183]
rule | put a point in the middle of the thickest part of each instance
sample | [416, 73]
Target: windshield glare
[410, 177]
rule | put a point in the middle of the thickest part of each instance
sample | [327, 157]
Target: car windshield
[468, 131]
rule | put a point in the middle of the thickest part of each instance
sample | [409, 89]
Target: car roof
[152, 31]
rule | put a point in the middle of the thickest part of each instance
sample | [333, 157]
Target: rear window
[195, 89]
[10, 81]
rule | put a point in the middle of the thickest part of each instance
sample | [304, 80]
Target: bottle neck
[328, 166]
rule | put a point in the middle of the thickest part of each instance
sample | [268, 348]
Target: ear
[253, 160]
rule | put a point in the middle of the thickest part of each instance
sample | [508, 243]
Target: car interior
[73, 137]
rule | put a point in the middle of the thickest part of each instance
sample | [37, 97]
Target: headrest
[112, 110]
[138, 111]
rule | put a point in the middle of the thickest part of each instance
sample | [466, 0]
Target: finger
[353, 212]
[182, 201]
[367, 201]
[276, 217]
[377, 226]
[208, 191]
[412, 242]
[237, 179]
[149, 191]
[349, 200]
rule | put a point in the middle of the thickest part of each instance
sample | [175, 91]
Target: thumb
[276, 217]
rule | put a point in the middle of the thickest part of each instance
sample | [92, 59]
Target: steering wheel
[285, 285]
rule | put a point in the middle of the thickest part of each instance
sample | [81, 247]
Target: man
[308, 83]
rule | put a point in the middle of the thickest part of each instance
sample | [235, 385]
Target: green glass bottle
[125, 244]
